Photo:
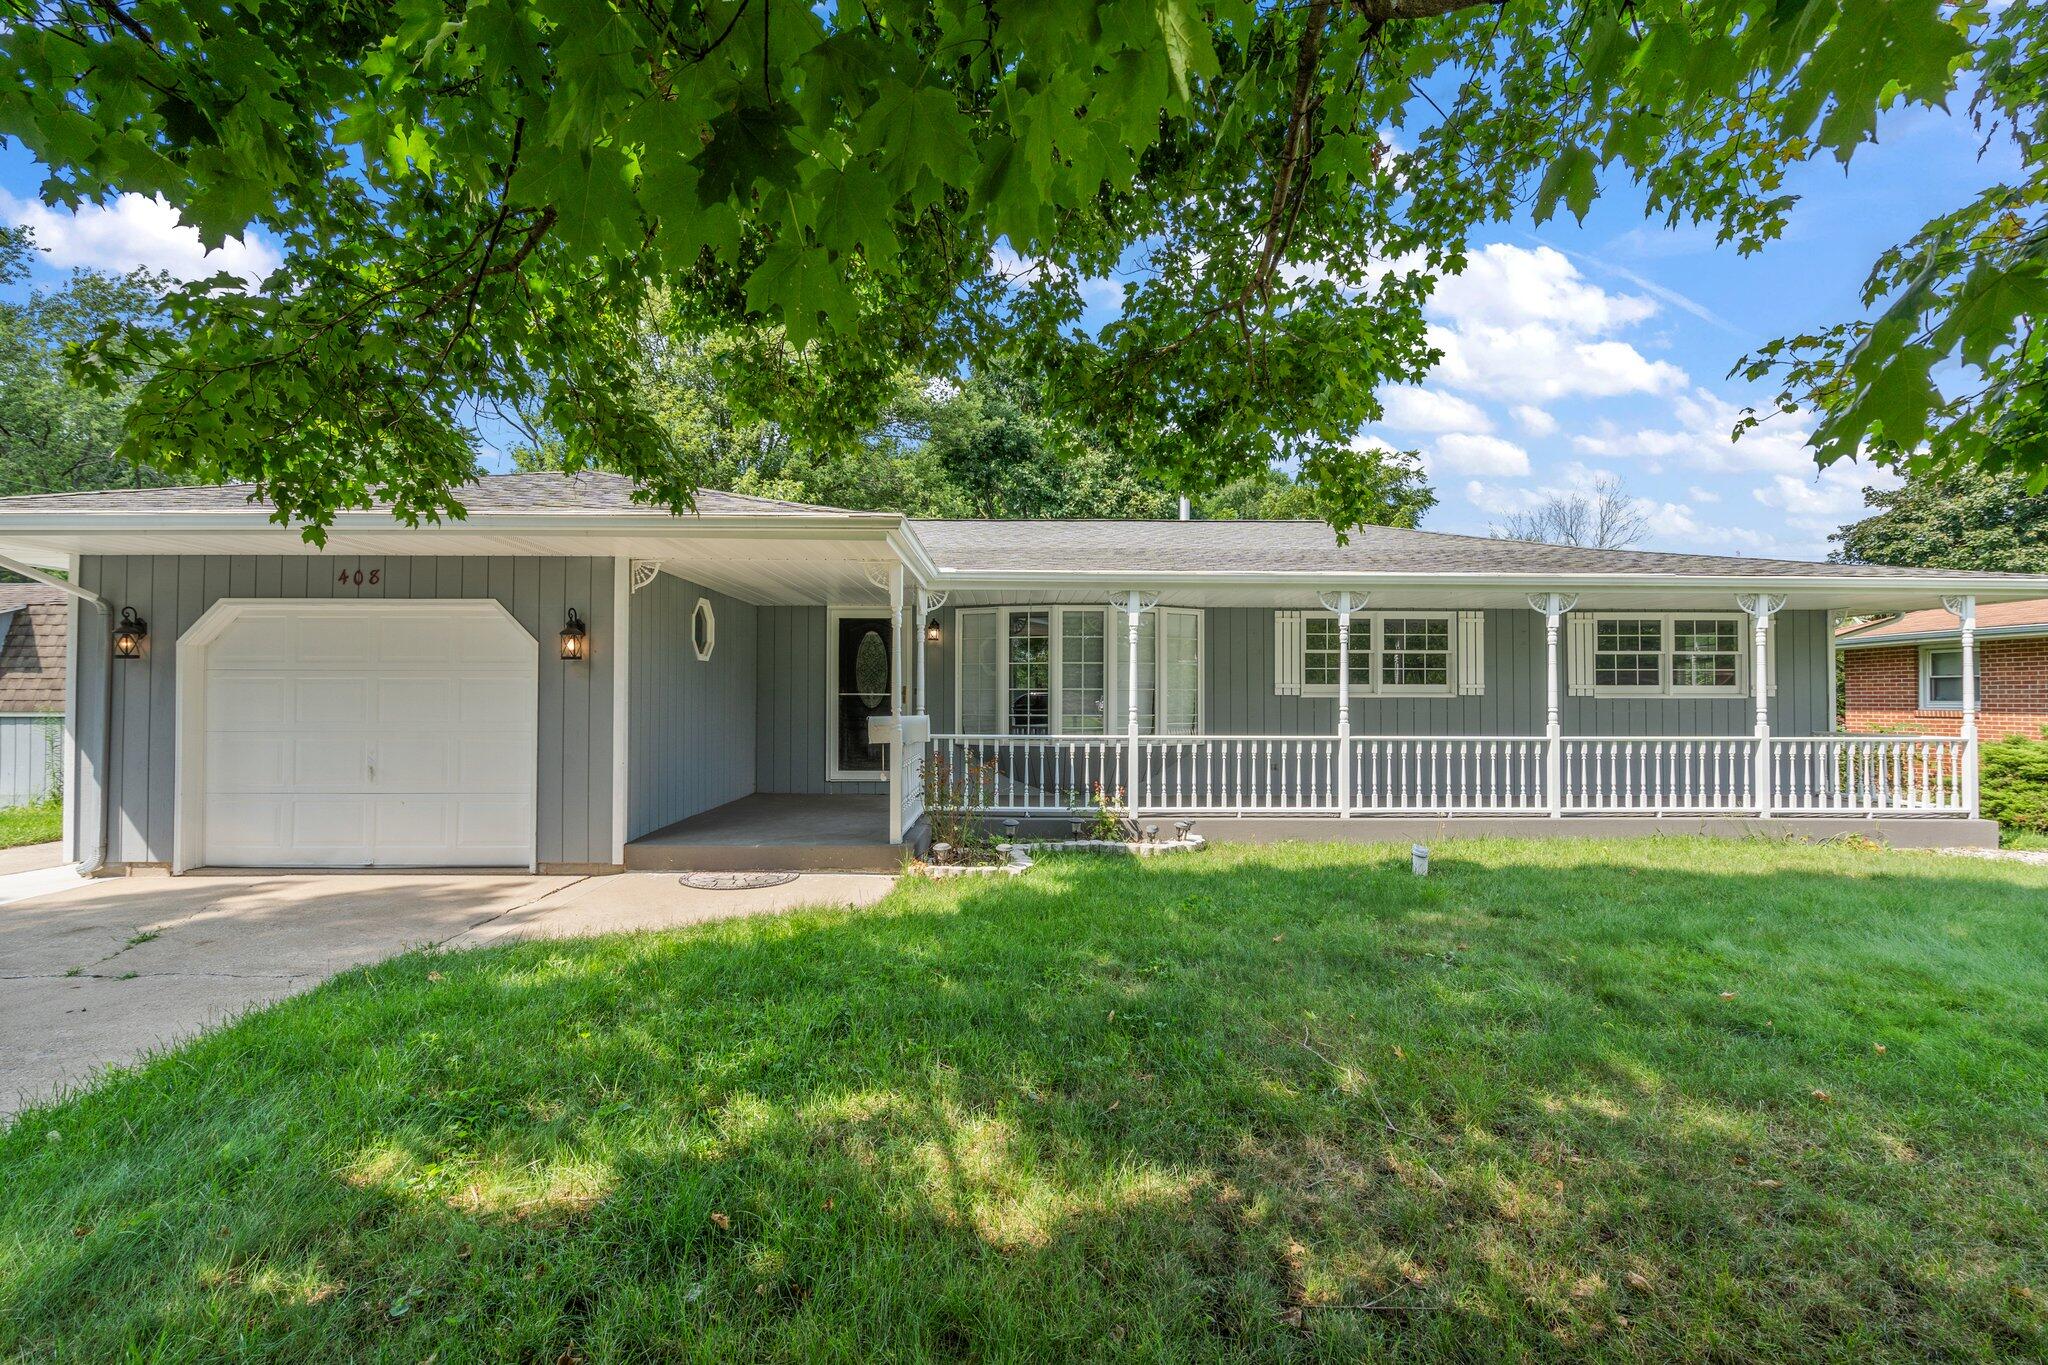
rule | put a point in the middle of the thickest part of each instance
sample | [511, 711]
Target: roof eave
[1916, 637]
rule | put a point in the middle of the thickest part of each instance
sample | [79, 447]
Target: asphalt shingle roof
[1140, 547]
[1135, 547]
[1990, 616]
[589, 491]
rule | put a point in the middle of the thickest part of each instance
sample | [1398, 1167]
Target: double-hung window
[1941, 678]
[1064, 670]
[1665, 654]
[1395, 653]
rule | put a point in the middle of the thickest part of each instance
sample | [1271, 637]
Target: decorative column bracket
[1133, 604]
[1343, 602]
[645, 571]
[1761, 607]
[927, 603]
[1553, 605]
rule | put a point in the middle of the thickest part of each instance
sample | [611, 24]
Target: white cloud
[1823, 499]
[1699, 494]
[1534, 420]
[1409, 409]
[135, 232]
[1511, 286]
[1521, 323]
[1475, 453]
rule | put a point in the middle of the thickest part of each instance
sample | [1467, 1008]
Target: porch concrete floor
[774, 832]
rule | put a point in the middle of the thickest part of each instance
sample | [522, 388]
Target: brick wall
[1882, 688]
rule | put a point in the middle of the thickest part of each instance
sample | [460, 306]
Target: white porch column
[622, 701]
[896, 684]
[1761, 607]
[1964, 609]
[1343, 604]
[1133, 605]
[1553, 605]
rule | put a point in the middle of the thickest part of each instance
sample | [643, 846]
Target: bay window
[1065, 670]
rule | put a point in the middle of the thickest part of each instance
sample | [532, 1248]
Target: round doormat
[735, 881]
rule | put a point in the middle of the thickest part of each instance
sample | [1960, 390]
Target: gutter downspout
[96, 857]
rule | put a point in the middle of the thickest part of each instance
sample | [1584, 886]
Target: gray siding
[1239, 699]
[790, 720]
[29, 749]
[171, 592]
[693, 720]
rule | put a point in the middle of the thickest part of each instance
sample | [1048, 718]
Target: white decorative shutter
[1578, 631]
[1287, 644]
[1471, 653]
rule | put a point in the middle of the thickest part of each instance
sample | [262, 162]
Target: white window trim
[1115, 666]
[1667, 640]
[1927, 653]
[1373, 644]
[710, 629]
[833, 772]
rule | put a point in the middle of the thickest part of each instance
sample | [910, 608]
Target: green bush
[2013, 784]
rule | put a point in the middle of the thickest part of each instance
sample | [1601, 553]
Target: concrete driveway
[104, 973]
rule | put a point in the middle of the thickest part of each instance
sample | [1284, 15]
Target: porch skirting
[1896, 831]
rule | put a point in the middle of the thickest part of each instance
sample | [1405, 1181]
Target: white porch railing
[1857, 774]
[1484, 775]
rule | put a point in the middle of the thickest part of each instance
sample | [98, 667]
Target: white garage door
[384, 735]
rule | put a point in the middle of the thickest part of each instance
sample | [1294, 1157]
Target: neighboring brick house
[31, 688]
[1905, 673]
[31, 650]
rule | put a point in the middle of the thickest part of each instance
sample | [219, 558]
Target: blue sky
[1571, 351]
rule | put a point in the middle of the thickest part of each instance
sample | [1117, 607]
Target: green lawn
[32, 824]
[1643, 1100]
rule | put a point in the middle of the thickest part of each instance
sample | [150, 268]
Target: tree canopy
[55, 434]
[1969, 520]
[476, 200]
[982, 445]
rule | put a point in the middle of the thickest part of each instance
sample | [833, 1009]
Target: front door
[862, 648]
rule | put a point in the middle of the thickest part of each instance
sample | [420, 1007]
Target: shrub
[2013, 783]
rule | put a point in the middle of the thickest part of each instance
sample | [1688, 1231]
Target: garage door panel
[332, 703]
[419, 763]
[254, 641]
[249, 701]
[493, 824]
[246, 763]
[329, 763]
[495, 703]
[341, 641]
[393, 736]
[423, 703]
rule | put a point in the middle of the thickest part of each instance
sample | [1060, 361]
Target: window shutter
[1287, 645]
[978, 672]
[1471, 653]
[1578, 632]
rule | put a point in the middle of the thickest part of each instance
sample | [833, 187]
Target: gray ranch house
[568, 679]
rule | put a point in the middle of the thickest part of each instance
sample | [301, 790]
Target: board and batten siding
[790, 723]
[692, 720]
[171, 592]
[1239, 697]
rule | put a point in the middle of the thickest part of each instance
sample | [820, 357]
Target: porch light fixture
[575, 639]
[128, 633]
[931, 632]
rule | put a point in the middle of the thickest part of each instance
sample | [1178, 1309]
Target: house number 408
[375, 576]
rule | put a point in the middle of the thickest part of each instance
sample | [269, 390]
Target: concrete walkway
[104, 973]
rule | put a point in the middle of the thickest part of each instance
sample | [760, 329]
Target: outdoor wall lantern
[128, 633]
[931, 632]
[575, 639]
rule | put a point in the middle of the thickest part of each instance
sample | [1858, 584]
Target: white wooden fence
[29, 748]
[1482, 775]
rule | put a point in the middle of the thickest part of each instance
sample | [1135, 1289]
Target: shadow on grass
[1282, 1103]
